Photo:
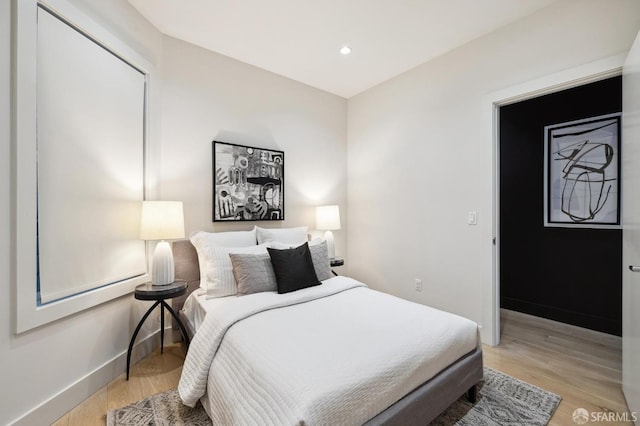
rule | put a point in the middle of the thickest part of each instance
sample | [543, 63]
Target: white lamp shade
[327, 218]
[162, 220]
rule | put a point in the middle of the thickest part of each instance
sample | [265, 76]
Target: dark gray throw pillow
[293, 268]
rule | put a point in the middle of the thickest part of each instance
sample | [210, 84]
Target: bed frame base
[472, 394]
[429, 400]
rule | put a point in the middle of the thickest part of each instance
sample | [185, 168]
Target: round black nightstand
[336, 261]
[159, 293]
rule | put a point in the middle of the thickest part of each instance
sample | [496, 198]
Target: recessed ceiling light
[345, 50]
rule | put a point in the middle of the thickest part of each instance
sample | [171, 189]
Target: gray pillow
[320, 258]
[253, 273]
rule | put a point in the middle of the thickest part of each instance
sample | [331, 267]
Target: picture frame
[248, 183]
[582, 173]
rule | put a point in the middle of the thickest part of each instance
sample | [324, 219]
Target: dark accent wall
[565, 274]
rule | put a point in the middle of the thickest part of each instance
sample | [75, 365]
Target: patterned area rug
[502, 400]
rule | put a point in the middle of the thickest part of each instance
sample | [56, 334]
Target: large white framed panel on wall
[80, 141]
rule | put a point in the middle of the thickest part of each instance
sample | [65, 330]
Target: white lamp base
[331, 247]
[163, 270]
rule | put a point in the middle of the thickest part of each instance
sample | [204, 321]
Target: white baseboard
[64, 401]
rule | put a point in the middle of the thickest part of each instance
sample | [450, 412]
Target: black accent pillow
[293, 268]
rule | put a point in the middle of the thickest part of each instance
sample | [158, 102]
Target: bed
[327, 354]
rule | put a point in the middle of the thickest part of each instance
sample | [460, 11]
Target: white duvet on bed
[338, 353]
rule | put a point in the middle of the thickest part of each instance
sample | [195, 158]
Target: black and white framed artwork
[248, 183]
[582, 173]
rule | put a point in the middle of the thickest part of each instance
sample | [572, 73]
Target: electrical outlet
[418, 284]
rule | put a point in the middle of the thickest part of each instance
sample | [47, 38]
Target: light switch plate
[472, 218]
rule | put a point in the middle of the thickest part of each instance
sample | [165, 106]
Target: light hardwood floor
[154, 374]
[582, 366]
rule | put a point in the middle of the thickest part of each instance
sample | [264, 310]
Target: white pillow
[216, 270]
[227, 239]
[281, 246]
[294, 236]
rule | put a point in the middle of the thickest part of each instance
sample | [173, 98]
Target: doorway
[571, 275]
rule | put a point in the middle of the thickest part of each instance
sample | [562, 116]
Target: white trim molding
[588, 73]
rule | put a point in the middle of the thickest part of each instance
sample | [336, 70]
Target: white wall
[420, 153]
[207, 96]
[202, 96]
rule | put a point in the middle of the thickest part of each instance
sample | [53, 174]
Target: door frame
[577, 76]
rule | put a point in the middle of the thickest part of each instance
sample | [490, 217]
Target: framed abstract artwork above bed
[248, 183]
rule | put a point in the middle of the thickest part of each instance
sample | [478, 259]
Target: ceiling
[300, 39]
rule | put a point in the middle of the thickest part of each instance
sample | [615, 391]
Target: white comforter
[338, 353]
